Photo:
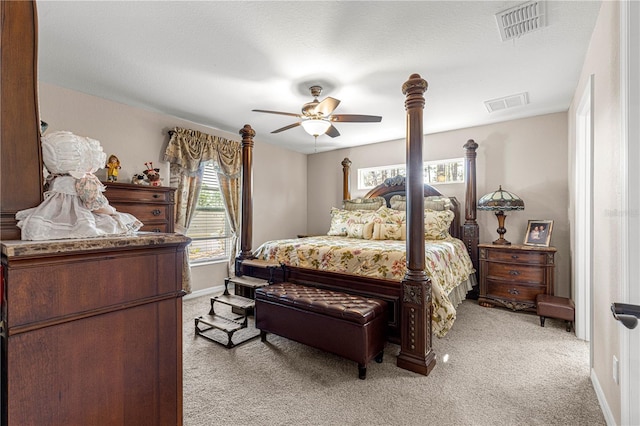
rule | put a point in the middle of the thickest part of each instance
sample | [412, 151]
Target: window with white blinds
[209, 229]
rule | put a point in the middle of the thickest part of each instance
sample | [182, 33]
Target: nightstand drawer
[537, 258]
[514, 291]
[513, 272]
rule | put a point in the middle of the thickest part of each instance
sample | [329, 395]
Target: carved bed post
[346, 184]
[470, 229]
[416, 353]
[246, 226]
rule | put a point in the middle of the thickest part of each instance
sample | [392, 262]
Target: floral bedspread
[447, 264]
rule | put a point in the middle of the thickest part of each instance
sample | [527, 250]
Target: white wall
[527, 157]
[603, 63]
[138, 136]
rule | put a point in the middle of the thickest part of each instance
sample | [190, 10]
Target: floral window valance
[189, 148]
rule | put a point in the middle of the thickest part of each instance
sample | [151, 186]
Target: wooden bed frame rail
[411, 299]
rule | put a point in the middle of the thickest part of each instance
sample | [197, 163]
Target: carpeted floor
[495, 367]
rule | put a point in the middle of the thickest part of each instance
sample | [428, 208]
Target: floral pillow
[360, 230]
[388, 215]
[364, 203]
[432, 202]
[437, 223]
[340, 219]
[389, 231]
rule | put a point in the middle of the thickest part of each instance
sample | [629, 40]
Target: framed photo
[538, 233]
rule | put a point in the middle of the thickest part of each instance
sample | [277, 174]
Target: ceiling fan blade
[332, 131]
[327, 106]
[290, 126]
[355, 118]
[277, 112]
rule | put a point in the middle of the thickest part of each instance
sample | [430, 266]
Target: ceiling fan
[317, 118]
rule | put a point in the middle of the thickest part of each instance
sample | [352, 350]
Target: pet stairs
[241, 303]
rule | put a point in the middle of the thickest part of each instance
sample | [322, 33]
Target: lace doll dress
[74, 205]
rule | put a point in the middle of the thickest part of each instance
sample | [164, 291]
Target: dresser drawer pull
[513, 291]
[156, 212]
[514, 272]
[156, 230]
[514, 256]
[156, 195]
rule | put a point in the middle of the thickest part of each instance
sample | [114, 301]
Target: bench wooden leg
[263, 336]
[362, 371]
[542, 321]
[379, 357]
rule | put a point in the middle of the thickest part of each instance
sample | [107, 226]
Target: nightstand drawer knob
[513, 291]
[514, 256]
[514, 272]
[156, 212]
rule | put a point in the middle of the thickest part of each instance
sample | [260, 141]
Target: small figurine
[113, 165]
[138, 179]
[153, 175]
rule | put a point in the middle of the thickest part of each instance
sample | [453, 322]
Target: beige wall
[603, 63]
[138, 136]
[527, 157]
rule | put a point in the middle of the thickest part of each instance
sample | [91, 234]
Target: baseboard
[204, 292]
[604, 406]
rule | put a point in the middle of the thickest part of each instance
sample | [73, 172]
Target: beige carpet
[495, 367]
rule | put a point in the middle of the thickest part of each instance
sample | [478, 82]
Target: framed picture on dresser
[538, 233]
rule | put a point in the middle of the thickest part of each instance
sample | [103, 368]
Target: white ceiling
[212, 62]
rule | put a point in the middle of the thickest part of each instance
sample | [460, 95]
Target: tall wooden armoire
[90, 329]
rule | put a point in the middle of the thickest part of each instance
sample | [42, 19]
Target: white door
[630, 229]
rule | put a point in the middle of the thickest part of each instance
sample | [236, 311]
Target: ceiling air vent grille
[520, 20]
[507, 102]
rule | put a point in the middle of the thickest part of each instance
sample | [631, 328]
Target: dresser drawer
[537, 258]
[142, 194]
[157, 227]
[513, 272]
[514, 291]
[145, 212]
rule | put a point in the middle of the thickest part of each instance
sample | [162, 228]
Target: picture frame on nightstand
[538, 233]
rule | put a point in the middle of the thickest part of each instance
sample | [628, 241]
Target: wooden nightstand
[513, 275]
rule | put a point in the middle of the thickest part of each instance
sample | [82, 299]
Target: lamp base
[502, 242]
[501, 229]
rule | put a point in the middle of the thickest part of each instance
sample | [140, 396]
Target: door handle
[627, 314]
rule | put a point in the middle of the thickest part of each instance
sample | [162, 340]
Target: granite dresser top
[33, 248]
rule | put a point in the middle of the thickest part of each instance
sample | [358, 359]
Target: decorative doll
[112, 168]
[74, 205]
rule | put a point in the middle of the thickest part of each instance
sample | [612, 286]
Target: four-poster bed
[409, 296]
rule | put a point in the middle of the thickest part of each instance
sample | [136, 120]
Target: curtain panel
[187, 152]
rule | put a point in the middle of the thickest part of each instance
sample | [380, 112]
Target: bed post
[246, 226]
[346, 184]
[470, 230]
[416, 353]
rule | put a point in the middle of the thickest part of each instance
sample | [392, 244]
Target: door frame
[630, 206]
[583, 215]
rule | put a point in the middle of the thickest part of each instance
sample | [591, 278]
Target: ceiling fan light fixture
[316, 126]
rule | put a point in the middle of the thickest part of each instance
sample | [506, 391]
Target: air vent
[507, 102]
[520, 20]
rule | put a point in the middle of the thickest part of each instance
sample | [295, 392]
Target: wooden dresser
[152, 205]
[513, 275]
[92, 331]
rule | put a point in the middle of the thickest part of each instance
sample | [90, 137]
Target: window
[435, 172]
[209, 228]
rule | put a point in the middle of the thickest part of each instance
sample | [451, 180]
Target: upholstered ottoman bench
[548, 306]
[353, 327]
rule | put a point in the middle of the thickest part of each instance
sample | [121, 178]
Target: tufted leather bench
[555, 307]
[351, 326]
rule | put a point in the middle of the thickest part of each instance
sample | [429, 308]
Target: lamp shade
[316, 126]
[500, 200]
